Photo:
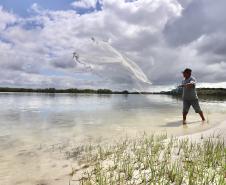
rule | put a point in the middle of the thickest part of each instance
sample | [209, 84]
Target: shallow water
[36, 129]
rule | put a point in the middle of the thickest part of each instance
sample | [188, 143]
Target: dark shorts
[194, 103]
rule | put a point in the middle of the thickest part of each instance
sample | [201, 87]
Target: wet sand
[48, 164]
[217, 131]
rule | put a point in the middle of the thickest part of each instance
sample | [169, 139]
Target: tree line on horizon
[174, 92]
[71, 90]
[200, 91]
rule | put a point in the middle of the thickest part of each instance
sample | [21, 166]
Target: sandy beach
[217, 131]
[62, 164]
[201, 150]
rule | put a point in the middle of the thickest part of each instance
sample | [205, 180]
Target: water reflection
[38, 111]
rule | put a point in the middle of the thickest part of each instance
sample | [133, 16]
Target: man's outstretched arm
[188, 85]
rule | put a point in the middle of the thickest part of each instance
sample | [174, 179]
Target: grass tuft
[154, 160]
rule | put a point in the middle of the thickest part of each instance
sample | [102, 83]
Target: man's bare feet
[205, 121]
[184, 122]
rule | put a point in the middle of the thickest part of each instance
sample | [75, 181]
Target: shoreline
[157, 158]
[69, 169]
[216, 131]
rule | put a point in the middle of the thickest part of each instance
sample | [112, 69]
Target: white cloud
[6, 18]
[84, 4]
[156, 34]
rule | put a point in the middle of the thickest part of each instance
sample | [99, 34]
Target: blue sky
[162, 37]
[21, 7]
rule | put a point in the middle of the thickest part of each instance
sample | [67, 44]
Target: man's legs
[196, 106]
[186, 107]
[184, 117]
[202, 116]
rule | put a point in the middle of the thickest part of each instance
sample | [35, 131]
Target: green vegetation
[203, 93]
[219, 92]
[151, 160]
[53, 90]
[71, 90]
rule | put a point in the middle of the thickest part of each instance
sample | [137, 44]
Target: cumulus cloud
[201, 30]
[207, 44]
[198, 18]
[161, 36]
[86, 4]
[6, 18]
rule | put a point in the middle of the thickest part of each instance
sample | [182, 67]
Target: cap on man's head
[187, 70]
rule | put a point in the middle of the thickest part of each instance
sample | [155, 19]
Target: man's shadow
[178, 123]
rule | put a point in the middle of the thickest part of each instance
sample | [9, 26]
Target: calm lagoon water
[32, 124]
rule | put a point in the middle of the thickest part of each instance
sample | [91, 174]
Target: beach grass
[151, 159]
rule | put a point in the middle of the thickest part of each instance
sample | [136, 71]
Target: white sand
[53, 169]
[219, 130]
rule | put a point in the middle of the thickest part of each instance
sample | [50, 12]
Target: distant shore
[219, 92]
[71, 90]
[200, 91]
